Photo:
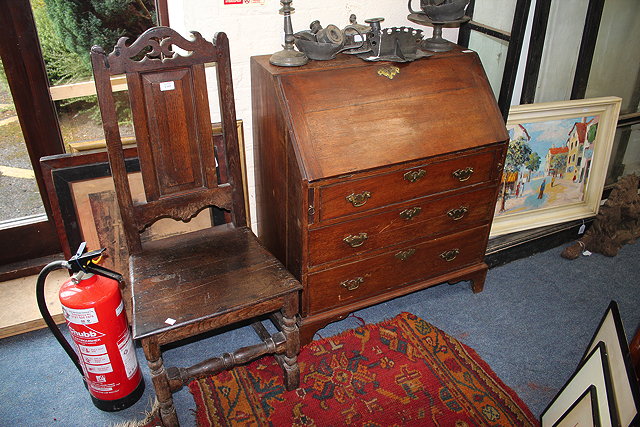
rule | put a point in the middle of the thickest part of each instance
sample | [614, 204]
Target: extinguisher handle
[101, 271]
[44, 311]
[85, 262]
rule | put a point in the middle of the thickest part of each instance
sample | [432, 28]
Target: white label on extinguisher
[128, 353]
[80, 316]
[92, 349]
[99, 369]
[120, 308]
[96, 360]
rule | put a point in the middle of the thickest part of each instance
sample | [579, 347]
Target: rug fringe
[148, 415]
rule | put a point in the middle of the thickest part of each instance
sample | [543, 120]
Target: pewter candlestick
[288, 57]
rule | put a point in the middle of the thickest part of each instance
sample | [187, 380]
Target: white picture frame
[626, 392]
[583, 412]
[556, 163]
[593, 371]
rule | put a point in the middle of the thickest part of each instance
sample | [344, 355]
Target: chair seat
[203, 275]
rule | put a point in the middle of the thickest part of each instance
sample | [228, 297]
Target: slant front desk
[375, 180]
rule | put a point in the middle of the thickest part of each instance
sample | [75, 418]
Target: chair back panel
[173, 131]
[172, 123]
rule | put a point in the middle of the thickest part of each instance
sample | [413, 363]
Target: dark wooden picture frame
[74, 216]
[60, 172]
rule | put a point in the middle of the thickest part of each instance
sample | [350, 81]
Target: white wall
[256, 29]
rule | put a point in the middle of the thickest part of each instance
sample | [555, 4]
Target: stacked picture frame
[603, 391]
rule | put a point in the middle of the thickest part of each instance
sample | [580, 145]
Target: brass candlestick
[288, 56]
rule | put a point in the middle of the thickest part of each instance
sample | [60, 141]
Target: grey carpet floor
[531, 324]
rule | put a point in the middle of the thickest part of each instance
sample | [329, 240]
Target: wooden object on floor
[19, 311]
[188, 284]
[375, 180]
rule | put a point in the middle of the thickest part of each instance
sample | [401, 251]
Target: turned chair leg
[292, 336]
[160, 382]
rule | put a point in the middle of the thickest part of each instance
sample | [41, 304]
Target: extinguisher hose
[42, 305]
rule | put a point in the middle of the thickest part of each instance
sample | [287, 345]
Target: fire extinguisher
[104, 351]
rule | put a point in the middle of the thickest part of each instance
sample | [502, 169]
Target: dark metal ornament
[442, 10]
[288, 56]
[323, 44]
[352, 38]
[436, 43]
[397, 44]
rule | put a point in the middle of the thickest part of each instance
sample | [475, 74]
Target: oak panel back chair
[191, 283]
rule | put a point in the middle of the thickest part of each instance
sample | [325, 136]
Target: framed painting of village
[556, 162]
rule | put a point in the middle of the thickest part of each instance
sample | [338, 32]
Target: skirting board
[510, 247]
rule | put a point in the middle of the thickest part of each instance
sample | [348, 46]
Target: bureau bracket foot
[476, 277]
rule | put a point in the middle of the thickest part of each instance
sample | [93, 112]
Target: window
[26, 76]
[496, 32]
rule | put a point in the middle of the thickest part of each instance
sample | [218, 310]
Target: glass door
[45, 86]
[18, 187]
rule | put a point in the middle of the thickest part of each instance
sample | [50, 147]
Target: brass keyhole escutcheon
[360, 199]
[410, 213]
[415, 175]
[357, 240]
[463, 174]
[352, 284]
[388, 71]
[458, 213]
[450, 255]
[406, 254]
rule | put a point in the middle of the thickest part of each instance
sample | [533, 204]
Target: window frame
[515, 39]
[29, 85]
[595, 10]
[27, 79]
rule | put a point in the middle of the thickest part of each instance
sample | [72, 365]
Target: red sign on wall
[245, 2]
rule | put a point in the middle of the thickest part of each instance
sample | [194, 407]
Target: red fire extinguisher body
[97, 321]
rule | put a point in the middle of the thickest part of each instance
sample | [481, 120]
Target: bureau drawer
[359, 195]
[408, 263]
[408, 221]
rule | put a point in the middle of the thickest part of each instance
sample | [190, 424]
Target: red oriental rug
[400, 372]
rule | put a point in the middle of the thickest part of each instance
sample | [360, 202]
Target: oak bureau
[374, 180]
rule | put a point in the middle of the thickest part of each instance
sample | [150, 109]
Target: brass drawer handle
[405, 255]
[456, 214]
[408, 214]
[358, 200]
[450, 255]
[463, 174]
[415, 175]
[352, 284]
[357, 240]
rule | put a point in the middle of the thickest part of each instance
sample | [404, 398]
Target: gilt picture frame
[556, 163]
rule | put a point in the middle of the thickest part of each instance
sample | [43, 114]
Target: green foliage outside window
[63, 65]
[81, 24]
[68, 29]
